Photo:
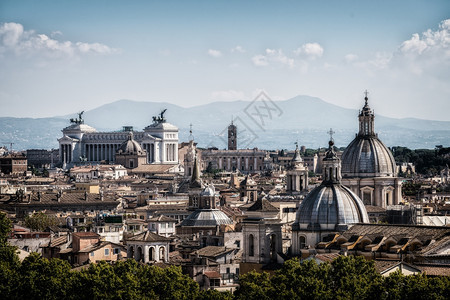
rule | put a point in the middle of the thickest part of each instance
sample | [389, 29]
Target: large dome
[366, 155]
[330, 208]
[130, 146]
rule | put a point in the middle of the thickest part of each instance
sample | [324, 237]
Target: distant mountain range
[262, 124]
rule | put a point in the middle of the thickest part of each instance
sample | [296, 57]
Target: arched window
[151, 253]
[162, 252]
[251, 245]
[302, 242]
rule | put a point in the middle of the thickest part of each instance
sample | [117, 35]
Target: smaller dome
[206, 218]
[209, 191]
[330, 208]
[130, 146]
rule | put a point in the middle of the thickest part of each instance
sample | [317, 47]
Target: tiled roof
[148, 236]
[68, 198]
[262, 205]
[88, 234]
[58, 241]
[212, 274]
[99, 245]
[327, 257]
[383, 265]
[396, 230]
[435, 270]
[152, 168]
[162, 218]
[213, 251]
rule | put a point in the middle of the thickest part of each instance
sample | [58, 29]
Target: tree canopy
[344, 278]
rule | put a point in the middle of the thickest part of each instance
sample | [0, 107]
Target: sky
[61, 57]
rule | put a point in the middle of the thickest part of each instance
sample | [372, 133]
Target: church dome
[206, 218]
[130, 146]
[331, 206]
[366, 155]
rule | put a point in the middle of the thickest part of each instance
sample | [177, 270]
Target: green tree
[40, 221]
[214, 295]
[255, 285]
[41, 278]
[9, 261]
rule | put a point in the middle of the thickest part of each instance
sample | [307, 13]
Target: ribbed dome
[367, 156]
[206, 218]
[330, 208]
[130, 146]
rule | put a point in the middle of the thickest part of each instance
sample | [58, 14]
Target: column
[156, 253]
[146, 258]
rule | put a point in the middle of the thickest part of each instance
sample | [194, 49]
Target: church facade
[81, 143]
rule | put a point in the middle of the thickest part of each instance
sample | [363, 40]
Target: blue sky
[59, 57]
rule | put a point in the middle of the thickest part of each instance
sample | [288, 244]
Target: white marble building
[82, 143]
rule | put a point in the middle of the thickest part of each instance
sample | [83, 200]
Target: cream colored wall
[99, 254]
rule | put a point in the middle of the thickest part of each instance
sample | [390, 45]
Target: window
[116, 251]
[302, 242]
[92, 253]
[251, 246]
[238, 244]
[106, 252]
[228, 270]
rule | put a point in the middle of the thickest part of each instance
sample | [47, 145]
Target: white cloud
[273, 56]
[214, 53]
[238, 49]
[14, 39]
[350, 58]
[430, 41]
[260, 60]
[310, 50]
[228, 95]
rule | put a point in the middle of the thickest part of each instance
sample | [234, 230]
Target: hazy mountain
[268, 125]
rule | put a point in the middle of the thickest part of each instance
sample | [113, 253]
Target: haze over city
[58, 58]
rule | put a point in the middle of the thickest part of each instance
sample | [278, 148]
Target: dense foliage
[344, 278]
[427, 161]
[40, 221]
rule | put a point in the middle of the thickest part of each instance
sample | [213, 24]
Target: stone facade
[82, 143]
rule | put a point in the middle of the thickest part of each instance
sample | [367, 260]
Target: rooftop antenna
[366, 93]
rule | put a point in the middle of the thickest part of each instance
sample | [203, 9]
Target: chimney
[85, 196]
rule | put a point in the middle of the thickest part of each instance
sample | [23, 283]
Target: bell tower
[232, 136]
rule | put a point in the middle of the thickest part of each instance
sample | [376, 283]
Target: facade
[39, 158]
[162, 225]
[368, 166]
[329, 208]
[245, 160]
[82, 143]
[148, 247]
[13, 164]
